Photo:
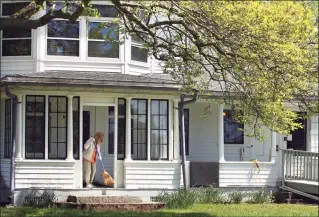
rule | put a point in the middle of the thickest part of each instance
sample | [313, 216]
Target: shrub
[236, 197]
[260, 196]
[211, 195]
[179, 199]
[36, 199]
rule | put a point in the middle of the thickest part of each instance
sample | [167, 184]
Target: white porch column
[70, 129]
[273, 146]
[220, 115]
[115, 141]
[176, 131]
[128, 130]
[171, 131]
[19, 128]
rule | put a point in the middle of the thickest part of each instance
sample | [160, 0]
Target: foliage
[236, 197]
[260, 196]
[198, 210]
[261, 54]
[36, 199]
[179, 199]
[210, 195]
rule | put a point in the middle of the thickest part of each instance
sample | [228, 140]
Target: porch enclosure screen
[7, 129]
[139, 129]
[35, 127]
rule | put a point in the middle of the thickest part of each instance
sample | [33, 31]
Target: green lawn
[198, 210]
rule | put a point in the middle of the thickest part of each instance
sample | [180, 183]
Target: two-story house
[70, 84]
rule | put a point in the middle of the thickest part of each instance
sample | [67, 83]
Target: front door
[299, 137]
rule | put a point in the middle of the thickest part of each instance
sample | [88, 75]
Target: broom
[107, 179]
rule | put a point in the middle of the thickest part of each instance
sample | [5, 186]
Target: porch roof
[100, 79]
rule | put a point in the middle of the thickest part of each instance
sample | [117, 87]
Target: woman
[90, 154]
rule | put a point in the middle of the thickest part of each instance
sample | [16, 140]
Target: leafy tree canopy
[262, 54]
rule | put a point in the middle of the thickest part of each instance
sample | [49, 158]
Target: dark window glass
[76, 127]
[35, 127]
[71, 7]
[103, 49]
[186, 128]
[232, 130]
[63, 47]
[58, 119]
[63, 29]
[106, 10]
[139, 129]
[11, 8]
[121, 129]
[100, 30]
[139, 54]
[7, 129]
[159, 129]
[16, 33]
[16, 47]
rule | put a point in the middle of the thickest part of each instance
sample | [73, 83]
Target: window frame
[25, 127]
[15, 39]
[139, 45]
[132, 129]
[7, 129]
[186, 110]
[57, 127]
[100, 20]
[79, 126]
[61, 38]
[235, 142]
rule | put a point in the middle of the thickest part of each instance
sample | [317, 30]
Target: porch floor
[310, 187]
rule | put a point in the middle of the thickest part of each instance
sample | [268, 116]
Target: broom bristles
[107, 179]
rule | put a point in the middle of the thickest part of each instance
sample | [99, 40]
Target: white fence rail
[300, 165]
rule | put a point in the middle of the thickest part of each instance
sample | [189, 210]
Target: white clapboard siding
[44, 174]
[10, 67]
[153, 175]
[246, 174]
[314, 128]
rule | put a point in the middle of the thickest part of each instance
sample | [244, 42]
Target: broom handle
[102, 165]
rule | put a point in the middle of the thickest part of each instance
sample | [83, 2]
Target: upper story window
[15, 42]
[63, 38]
[98, 46]
[233, 131]
[106, 10]
[138, 52]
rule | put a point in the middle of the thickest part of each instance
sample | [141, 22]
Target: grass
[198, 210]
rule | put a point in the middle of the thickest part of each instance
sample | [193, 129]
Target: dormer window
[15, 42]
[63, 38]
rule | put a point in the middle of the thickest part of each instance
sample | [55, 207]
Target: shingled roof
[106, 79]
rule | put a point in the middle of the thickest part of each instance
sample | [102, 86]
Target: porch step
[110, 203]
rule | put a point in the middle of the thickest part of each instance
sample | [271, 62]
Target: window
[111, 130]
[63, 38]
[15, 42]
[138, 53]
[99, 32]
[106, 10]
[7, 129]
[232, 130]
[34, 127]
[76, 127]
[139, 129]
[58, 106]
[186, 128]
[121, 129]
[159, 129]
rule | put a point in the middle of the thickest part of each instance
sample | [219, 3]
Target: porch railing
[299, 165]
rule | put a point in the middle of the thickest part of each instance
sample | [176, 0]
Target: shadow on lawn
[54, 212]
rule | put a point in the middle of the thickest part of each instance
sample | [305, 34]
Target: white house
[70, 84]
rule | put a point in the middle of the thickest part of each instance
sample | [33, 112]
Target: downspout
[182, 129]
[13, 141]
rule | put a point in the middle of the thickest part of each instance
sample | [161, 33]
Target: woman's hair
[99, 135]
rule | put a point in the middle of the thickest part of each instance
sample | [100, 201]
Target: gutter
[13, 141]
[182, 129]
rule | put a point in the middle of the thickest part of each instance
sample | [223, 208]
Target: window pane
[142, 107]
[17, 33]
[53, 150]
[141, 151]
[232, 132]
[106, 10]
[63, 29]
[121, 107]
[142, 122]
[136, 39]
[11, 8]
[164, 151]
[155, 152]
[155, 137]
[103, 49]
[16, 47]
[163, 122]
[62, 105]
[163, 137]
[61, 134]
[53, 134]
[155, 107]
[155, 122]
[141, 136]
[139, 54]
[133, 107]
[75, 104]
[53, 102]
[163, 107]
[62, 120]
[101, 30]
[58, 5]
[59, 47]
[62, 150]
